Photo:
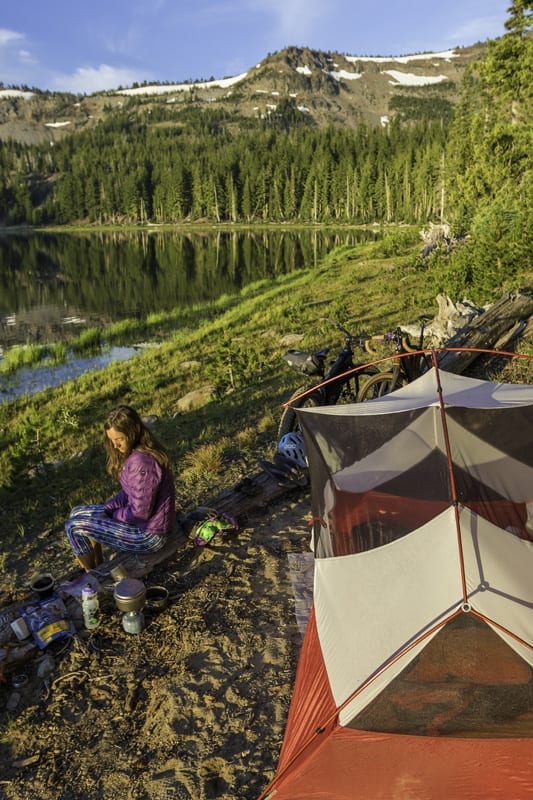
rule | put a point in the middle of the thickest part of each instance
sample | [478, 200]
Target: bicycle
[410, 362]
[340, 383]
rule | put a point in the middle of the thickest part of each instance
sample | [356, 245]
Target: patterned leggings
[90, 522]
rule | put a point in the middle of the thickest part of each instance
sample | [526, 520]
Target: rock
[195, 399]
[189, 366]
[291, 339]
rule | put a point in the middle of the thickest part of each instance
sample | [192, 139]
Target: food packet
[48, 620]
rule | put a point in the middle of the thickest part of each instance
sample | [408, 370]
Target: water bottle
[91, 607]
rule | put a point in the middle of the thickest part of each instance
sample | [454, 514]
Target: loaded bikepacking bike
[340, 382]
[410, 362]
[343, 382]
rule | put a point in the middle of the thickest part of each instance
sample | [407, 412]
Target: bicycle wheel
[289, 418]
[353, 385]
[377, 386]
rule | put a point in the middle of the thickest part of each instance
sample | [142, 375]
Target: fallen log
[497, 328]
[250, 495]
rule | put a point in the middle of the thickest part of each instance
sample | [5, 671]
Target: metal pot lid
[129, 588]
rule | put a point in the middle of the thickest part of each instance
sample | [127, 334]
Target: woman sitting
[141, 516]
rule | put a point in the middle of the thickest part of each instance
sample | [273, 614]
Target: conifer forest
[470, 168]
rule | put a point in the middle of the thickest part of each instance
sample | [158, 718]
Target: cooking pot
[43, 584]
[130, 595]
[156, 598]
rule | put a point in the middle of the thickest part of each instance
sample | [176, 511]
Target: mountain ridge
[323, 88]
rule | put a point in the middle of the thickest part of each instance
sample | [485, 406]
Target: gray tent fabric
[480, 454]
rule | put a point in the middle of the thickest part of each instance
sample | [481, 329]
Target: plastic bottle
[91, 607]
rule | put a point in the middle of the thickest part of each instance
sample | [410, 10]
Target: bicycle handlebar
[398, 336]
[350, 337]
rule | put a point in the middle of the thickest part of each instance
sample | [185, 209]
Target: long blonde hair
[127, 421]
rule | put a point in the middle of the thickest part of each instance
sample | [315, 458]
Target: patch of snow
[408, 79]
[346, 76]
[182, 87]
[447, 55]
[304, 109]
[384, 120]
[16, 93]
[56, 124]
[303, 70]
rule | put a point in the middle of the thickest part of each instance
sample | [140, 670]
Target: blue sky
[84, 47]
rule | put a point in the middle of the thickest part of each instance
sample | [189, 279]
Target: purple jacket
[147, 498]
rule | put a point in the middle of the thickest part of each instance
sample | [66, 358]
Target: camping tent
[415, 678]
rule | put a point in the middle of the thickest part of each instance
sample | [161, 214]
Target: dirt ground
[195, 706]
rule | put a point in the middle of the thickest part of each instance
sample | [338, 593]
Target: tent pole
[451, 476]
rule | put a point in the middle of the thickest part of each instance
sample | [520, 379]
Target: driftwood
[497, 328]
[250, 495]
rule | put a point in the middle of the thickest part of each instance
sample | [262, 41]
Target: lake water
[30, 380]
[52, 285]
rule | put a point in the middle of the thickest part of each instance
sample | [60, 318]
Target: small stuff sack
[213, 527]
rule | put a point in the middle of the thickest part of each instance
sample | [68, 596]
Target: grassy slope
[61, 428]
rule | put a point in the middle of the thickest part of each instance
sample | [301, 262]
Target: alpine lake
[53, 285]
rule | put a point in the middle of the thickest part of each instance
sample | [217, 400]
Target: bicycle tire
[352, 385]
[289, 418]
[377, 386]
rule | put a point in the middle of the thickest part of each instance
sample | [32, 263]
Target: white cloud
[479, 29]
[87, 80]
[295, 19]
[26, 57]
[7, 37]
[15, 61]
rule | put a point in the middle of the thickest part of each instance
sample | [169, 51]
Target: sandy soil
[193, 707]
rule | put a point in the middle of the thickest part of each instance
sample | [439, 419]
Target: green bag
[213, 527]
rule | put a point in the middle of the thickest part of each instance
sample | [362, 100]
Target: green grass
[19, 356]
[51, 456]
